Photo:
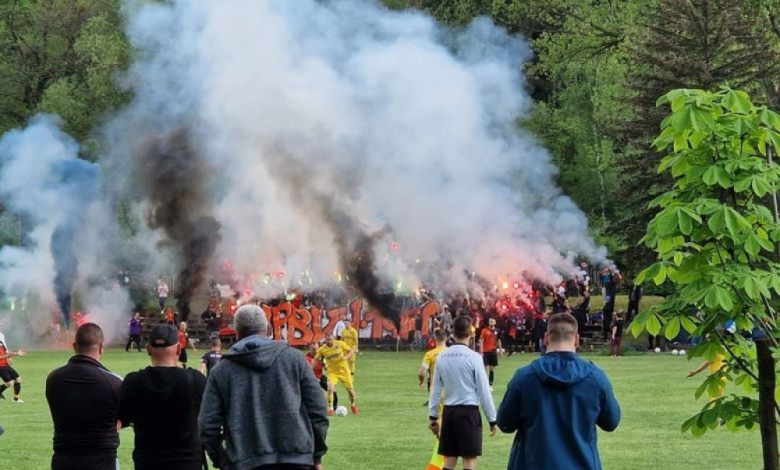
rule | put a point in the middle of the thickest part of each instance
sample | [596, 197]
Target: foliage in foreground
[716, 237]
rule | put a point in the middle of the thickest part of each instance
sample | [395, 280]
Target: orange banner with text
[301, 326]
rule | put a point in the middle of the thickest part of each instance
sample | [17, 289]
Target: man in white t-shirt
[339, 328]
[162, 293]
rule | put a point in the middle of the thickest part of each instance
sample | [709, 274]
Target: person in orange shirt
[184, 340]
[170, 318]
[8, 376]
[490, 344]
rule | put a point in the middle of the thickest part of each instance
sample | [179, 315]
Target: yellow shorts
[344, 377]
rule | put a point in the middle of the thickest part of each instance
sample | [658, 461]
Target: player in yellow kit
[349, 336]
[428, 367]
[718, 363]
[335, 355]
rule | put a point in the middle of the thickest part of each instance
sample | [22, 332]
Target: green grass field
[391, 433]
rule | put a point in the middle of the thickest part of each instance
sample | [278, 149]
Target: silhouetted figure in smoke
[634, 299]
[609, 305]
[66, 270]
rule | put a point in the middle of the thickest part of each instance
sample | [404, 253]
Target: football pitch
[391, 431]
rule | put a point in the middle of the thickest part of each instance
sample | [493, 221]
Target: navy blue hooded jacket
[555, 404]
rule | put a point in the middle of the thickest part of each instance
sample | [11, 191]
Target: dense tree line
[598, 68]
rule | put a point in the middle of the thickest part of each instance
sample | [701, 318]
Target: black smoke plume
[356, 255]
[177, 188]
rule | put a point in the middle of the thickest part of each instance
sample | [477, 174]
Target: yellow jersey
[429, 361]
[717, 363]
[349, 336]
[333, 356]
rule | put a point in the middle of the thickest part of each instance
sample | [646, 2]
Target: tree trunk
[766, 404]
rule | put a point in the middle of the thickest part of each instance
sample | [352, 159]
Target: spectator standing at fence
[555, 405]
[446, 320]
[134, 332]
[83, 398]
[339, 328]
[162, 293]
[212, 319]
[460, 377]
[162, 403]
[634, 300]
[257, 382]
[616, 338]
[538, 331]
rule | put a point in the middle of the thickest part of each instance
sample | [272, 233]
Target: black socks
[490, 380]
[17, 388]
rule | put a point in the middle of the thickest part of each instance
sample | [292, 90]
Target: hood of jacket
[255, 352]
[561, 369]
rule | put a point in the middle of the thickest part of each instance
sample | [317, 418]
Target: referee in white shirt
[459, 371]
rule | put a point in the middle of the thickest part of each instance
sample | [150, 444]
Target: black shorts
[490, 358]
[8, 374]
[91, 462]
[183, 356]
[461, 432]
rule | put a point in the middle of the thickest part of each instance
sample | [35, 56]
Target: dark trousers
[615, 346]
[83, 462]
[136, 339]
[654, 339]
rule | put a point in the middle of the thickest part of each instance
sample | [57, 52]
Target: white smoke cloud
[43, 180]
[412, 128]
[302, 110]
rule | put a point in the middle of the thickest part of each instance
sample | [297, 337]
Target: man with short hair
[490, 343]
[335, 354]
[555, 404]
[428, 366]
[461, 375]
[263, 396]
[317, 367]
[83, 399]
[162, 402]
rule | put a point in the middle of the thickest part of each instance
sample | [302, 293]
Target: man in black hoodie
[162, 403]
[263, 398]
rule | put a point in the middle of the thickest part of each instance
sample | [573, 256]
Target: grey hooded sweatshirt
[263, 406]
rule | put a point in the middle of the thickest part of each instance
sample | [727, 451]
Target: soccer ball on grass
[341, 411]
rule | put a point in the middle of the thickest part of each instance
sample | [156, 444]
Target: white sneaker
[18, 400]
[491, 389]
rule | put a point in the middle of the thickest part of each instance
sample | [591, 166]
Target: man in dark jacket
[162, 404]
[83, 398]
[555, 404]
[263, 397]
